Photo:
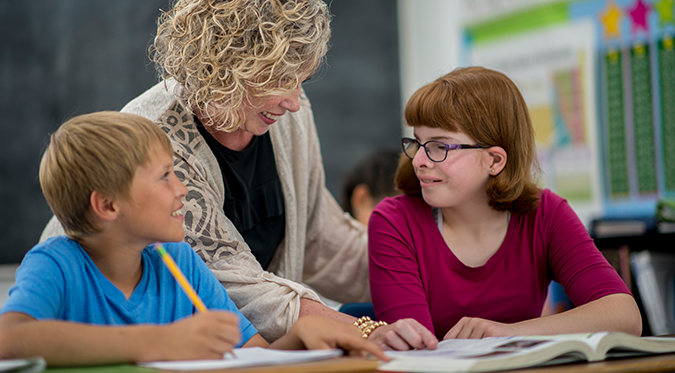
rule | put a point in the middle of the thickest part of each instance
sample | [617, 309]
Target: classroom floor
[6, 280]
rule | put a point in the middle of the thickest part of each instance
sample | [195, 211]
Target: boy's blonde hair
[99, 151]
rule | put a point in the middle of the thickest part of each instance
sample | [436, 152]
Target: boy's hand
[207, 335]
[404, 334]
[318, 332]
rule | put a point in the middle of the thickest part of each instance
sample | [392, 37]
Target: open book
[501, 353]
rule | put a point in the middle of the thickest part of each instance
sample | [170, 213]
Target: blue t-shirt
[58, 280]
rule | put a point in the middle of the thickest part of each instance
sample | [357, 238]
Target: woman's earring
[493, 171]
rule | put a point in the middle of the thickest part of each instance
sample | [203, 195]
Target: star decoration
[668, 43]
[611, 19]
[613, 56]
[665, 10]
[639, 50]
[639, 16]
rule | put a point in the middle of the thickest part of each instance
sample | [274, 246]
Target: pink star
[639, 16]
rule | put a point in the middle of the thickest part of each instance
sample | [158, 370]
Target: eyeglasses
[436, 151]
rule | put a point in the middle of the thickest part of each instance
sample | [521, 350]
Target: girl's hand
[404, 334]
[476, 328]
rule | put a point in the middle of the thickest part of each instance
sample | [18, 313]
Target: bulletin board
[595, 75]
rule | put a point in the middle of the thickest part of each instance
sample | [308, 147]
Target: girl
[471, 247]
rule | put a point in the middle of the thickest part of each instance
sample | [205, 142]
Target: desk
[336, 365]
[654, 363]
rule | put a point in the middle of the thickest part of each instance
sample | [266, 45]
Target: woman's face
[257, 120]
[461, 178]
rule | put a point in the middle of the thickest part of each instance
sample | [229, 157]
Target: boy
[109, 179]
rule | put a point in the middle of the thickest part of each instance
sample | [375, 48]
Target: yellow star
[639, 49]
[668, 43]
[665, 10]
[613, 55]
[611, 20]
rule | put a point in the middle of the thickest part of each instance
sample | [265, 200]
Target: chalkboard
[61, 58]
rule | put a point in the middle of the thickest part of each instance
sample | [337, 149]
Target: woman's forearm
[310, 307]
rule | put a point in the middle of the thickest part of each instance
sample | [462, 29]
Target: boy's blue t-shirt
[58, 280]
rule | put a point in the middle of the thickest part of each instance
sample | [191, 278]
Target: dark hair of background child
[377, 172]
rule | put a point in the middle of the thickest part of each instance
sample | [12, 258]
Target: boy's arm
[61, 343]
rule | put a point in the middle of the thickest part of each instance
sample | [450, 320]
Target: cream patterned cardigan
[323, 247]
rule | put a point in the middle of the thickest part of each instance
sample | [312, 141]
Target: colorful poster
[595, 75]
[554, 70]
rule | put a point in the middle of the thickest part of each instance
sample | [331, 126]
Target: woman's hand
[404, 334]
[476, 328]
[317, 332]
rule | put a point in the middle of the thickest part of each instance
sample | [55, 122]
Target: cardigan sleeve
[336, 261]
[336, 247]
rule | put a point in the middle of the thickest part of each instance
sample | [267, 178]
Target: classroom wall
[431, 35]
[61, 58]
[430, 38]
[568, 58]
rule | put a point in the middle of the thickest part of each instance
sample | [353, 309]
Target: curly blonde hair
[230, 53]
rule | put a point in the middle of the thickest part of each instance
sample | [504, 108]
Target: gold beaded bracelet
[366, 325]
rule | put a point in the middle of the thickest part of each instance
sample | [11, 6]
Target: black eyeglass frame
[407, 141]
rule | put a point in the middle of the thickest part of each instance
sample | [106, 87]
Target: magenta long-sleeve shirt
[413, 273]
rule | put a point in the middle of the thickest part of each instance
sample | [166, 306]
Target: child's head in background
[368, 183]
[486, 106]
[102, 157]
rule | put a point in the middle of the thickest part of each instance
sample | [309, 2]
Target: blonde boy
[108, 177]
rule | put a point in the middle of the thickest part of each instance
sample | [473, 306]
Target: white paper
[246, 357]
[32, 365]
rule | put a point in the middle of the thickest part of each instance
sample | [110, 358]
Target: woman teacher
[257, 209]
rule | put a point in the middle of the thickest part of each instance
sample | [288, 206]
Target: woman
[470, 248]
[245, 145]
[257, 210]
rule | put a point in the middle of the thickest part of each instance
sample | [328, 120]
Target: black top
[254, 200]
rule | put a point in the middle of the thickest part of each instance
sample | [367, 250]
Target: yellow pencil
[180, 278]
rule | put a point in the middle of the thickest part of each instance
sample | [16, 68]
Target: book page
[247, 357]
[497, 346]
[495, 353]
[472, 348]
[591, 339]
